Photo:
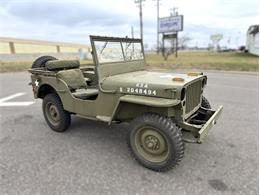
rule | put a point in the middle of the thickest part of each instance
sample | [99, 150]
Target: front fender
[149, 101]
[142, 102]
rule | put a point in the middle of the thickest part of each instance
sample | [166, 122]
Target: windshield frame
[119, 40]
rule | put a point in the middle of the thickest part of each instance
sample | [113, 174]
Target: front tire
[56, 117]
[155, 142]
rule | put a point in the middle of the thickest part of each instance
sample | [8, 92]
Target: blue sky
[75, 20]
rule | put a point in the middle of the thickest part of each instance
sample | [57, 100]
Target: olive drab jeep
[163, 109]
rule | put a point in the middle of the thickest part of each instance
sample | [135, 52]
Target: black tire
[205, 103]
[166, 132]
[56, 117]
[40, 62]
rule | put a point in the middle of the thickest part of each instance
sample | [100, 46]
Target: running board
[104, 118]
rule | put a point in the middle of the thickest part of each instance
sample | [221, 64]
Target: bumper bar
[203, 132]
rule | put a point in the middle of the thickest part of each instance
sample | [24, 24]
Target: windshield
[111, 51]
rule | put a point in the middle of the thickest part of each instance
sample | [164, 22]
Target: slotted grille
[193, 93]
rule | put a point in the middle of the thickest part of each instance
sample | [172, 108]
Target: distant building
[252, 40]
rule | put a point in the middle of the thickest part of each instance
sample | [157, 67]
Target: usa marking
[142, 85]
[4, 103]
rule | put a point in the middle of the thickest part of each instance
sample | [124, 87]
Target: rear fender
[56, 84]
[51, 84]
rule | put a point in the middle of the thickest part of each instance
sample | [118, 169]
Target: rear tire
[155, 142]
[56, 117]
[41, 61]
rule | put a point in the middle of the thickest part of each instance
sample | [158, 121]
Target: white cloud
[74, 20]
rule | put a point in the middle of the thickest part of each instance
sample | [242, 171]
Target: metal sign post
[169, 27]
[174, 49]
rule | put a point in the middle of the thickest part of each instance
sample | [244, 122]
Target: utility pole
[140, 2]
[158, 16]
[174, 11]
[132, 33]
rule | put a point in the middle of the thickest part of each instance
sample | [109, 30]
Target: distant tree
[183, 41]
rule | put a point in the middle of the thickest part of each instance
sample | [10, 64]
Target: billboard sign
[216, 37]
[171, 24]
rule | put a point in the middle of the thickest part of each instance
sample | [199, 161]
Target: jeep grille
[193, 96]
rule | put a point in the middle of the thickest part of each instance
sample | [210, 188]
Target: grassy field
[20, 66]
[186, 60]
[207, 60]
[14, 66]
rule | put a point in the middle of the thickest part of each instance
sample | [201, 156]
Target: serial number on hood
[140, 91]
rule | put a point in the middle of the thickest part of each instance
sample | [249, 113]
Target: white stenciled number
[145, 91]
[142, 91]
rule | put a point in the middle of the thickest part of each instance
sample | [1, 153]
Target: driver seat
[69, 72]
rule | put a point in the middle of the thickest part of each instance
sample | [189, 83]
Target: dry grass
[206, 60]
[186, 60]
[14, 66]
[23, 66]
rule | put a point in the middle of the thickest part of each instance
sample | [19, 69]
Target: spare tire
[40, 62]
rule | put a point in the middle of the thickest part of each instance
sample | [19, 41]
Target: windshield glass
[111, 51]
[132, 51]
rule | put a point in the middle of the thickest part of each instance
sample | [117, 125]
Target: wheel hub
[151, 144]
[52, 113]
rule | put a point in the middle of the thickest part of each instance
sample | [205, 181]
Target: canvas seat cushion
[62, 64]
[73, 78]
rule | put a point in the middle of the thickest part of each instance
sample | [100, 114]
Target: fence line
[20, 46]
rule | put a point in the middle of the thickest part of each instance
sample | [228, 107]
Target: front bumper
[203, 132]
[200, 123]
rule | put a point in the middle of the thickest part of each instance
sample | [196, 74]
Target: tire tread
[40, 62]
[170, 129]
[64, 115]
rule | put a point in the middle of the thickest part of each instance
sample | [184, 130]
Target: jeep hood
[157, 82]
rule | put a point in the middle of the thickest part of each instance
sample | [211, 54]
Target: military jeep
[163, 109]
